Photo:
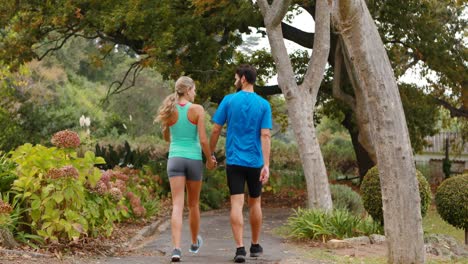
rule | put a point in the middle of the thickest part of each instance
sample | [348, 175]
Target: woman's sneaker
[256, 250]
[194, 248]
[176, 255]
[240, 255]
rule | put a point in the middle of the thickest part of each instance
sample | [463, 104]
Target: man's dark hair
[248, 71]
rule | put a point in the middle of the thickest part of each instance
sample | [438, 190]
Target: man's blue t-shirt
[245, 113]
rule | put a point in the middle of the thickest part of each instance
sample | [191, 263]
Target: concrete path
[219, 246]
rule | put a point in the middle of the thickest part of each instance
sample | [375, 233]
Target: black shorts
[238, 175]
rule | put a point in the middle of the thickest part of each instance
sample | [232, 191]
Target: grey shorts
[191, 169]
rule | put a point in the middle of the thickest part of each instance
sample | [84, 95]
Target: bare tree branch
[58, 46]
[108, 52]
[337, 92]
[136, 68]
[268, 90]
[318, 60]
[136, 72]
[454, 112]
[298, 36]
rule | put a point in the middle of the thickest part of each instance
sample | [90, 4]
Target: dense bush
[286, 156]
[317, 224]
[372, 195]
[345, 198]
[7, 175]
[214, 190]
[452, 201]
[336, 146]
[51, 182]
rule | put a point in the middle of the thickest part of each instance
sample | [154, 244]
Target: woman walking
[183, 125]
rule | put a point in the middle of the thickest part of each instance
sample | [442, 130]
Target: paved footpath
[219, 246]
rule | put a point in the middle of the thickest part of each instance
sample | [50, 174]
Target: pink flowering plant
[65, 197]
[106, 202]
[142, 188]
[66, 139]
[51, 183]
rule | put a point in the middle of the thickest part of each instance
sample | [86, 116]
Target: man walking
[248, 118]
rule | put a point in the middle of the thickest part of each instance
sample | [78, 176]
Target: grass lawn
[434, 224]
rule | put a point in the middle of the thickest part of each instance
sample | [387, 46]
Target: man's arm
[266, 147]
[215, 132]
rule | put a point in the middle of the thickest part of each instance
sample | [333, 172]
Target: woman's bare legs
[177, 191]
[193, 201]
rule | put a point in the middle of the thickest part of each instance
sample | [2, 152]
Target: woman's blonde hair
[182, 86]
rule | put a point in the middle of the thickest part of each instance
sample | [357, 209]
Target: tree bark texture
[301, 101]
[375, 79]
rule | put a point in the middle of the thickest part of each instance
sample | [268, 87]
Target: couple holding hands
[249, 121]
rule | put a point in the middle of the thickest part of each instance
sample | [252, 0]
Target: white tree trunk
[372, 70]
[302, 121]
[301, 100]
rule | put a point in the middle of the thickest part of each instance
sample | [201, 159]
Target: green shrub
[7, 174]
[317, 224]
[345, 198]
[372, 195]
[284, 178]
[338, 154]
[214, 191]
[51, 182]
[452, 201]
[286, 156]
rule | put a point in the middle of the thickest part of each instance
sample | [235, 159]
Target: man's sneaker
[176, 254]
[240, 255]
[194, 248]
[256, 250]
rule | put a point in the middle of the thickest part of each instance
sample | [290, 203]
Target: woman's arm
[165, 133]
[202, 135]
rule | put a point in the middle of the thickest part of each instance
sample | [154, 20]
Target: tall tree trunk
[359, 129]
[301, 99]
[375, 79]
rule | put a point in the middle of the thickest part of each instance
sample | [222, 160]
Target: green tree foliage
[430, 34]
[175, 37]
[421, 114]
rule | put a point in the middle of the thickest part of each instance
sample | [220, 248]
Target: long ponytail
[166, 109]
[182, 85]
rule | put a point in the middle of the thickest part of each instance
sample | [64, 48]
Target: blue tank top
[185, 142]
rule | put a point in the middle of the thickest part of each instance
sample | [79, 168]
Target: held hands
[264, 174]
[211, 163]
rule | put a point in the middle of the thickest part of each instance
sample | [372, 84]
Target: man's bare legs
[255, 215]
[237, 219]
